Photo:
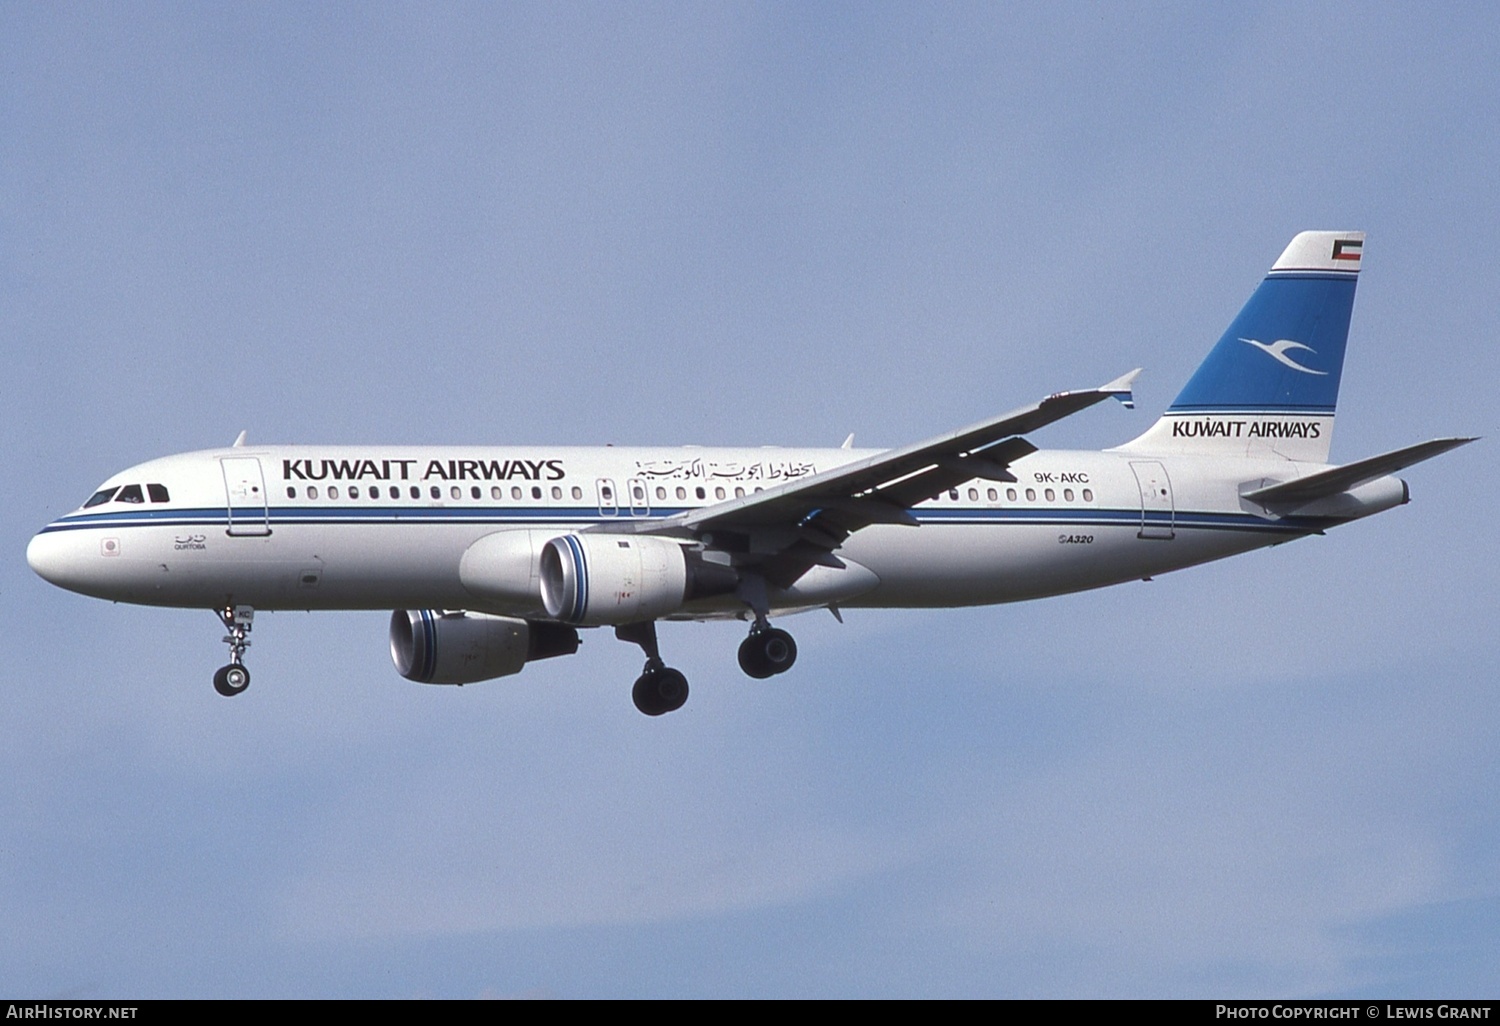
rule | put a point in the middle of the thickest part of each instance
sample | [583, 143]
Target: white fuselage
[343, 527]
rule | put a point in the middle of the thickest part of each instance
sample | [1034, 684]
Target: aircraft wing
[787, 529]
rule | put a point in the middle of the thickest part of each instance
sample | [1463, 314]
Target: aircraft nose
[51, 555]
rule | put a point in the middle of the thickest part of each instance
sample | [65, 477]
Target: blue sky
[748, 224]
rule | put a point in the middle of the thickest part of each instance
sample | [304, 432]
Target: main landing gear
[767, 651]
[231, 680]
[659, 689]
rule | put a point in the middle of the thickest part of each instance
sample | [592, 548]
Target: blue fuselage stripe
[514, 517]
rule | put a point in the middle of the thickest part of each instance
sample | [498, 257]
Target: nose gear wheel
[233, 679]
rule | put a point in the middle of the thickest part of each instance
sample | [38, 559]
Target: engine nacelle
[501, 570]
[616, 578]
[431, 646]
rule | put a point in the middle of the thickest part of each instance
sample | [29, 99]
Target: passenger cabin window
[99, 498]
[130, 493]
[158, 493]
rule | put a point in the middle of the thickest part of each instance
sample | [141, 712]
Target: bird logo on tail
[1277, 351]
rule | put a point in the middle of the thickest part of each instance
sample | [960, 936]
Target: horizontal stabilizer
[1292, 495]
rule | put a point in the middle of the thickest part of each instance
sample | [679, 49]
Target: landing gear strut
[659, 689]
[233, 679]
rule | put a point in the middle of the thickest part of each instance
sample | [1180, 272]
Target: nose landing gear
[233, 679]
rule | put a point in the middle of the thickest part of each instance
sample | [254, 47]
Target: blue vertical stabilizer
[1270, 385]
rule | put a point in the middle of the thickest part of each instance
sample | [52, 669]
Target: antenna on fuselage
[239, 442]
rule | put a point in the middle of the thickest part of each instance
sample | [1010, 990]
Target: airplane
[496, 557]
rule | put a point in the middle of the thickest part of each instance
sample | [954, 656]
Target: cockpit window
[130, 493]
[99, 498]
[158, 493]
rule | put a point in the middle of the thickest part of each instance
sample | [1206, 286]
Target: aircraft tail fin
[1269, 387]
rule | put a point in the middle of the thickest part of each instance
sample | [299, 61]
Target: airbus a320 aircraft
[494, 557]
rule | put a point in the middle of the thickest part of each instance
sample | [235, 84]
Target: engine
[615, 579]
[500, 570]
[431, 646]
